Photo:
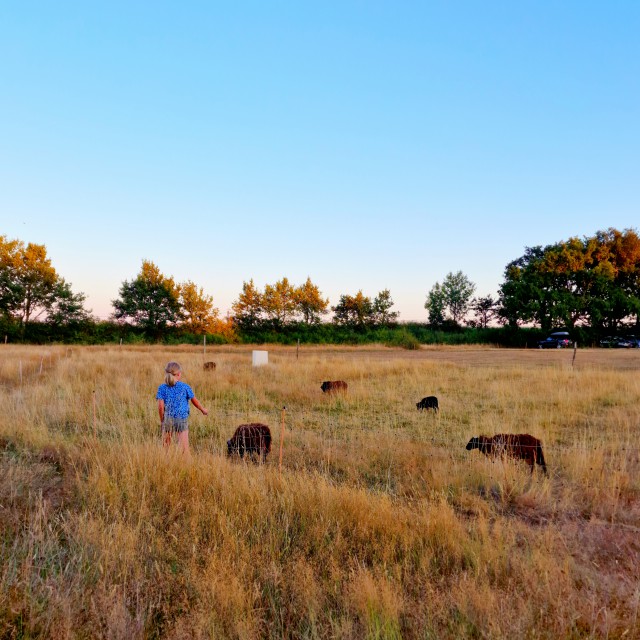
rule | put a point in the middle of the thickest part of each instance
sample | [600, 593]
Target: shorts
[175, 425]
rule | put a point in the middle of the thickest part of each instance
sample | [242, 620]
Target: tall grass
[381, 525]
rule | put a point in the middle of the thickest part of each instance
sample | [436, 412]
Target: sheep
[430, 402]
[252, 438]
[521, 445]
[329, 386]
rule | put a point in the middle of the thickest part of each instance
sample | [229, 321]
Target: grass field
[380, 525]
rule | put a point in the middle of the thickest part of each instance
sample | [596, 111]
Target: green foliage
[30, 288]
[382, 314]
[67, 308]
[279, 305]
[354, 311]
[452, 295]
[485, 310]
[435, 305]
[279, 302]
[457, 290]
[594, 281]
[310, 303]
[403, 338]
[360, 312]
[150, 301]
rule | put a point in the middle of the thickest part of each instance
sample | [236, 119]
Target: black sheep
[430, 402]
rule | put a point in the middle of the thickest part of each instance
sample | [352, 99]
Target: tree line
[591, 284]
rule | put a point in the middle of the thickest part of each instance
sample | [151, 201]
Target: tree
[247, 309]
[522, 293]
[30, 288]
[381, 314]
[310, 303]
[68, 307]
[199, 316]
[279, 302]
[485, 309]
[435, 305]
[452, 295]
[353, 310]
[10, 290]
[594, 281]
[151, 301]
[457, 290]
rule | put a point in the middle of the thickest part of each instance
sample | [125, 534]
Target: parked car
[556, 340]
[635, 341]
[617, 342]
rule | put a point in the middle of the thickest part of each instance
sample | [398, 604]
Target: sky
[366, 145]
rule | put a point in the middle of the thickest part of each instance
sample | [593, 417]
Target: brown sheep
[520, 446]
[250, 438]
[209, 366]
[329, 386]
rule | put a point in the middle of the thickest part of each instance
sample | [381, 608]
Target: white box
[259, 358]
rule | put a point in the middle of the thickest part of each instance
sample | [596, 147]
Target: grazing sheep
[521, 445]
[250, 438]
[209, 366]
[430, 402]
[329, 386]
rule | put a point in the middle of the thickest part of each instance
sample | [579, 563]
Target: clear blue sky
[368, 145]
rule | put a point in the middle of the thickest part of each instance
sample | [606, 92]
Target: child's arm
[161, 410]
[197, 405]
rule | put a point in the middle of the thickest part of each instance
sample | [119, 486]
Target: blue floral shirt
[176, 399]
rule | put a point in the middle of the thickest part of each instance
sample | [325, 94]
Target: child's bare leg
[183, 440]
[166, 438]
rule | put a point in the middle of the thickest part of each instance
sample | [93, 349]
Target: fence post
[575, 348]
[281, 443]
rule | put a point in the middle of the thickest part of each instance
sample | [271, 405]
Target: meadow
[378, 525]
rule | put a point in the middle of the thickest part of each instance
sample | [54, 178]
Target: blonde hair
[171, 370]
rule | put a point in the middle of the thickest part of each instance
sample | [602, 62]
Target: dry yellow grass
[381, 526]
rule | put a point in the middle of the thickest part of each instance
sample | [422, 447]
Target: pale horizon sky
[364, 145]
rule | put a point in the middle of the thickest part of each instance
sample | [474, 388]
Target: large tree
[435, 305]
[453, 295]
[310, 303]
[150, 301]
[279, 302]
[594, 281]
[199, 316]
[68, 307]
[30, 288]
[247, 309]
[381, 312]
[353, 311]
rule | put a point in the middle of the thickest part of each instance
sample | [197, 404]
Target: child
[173, 406]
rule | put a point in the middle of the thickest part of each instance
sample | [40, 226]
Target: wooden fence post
[281, 443]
